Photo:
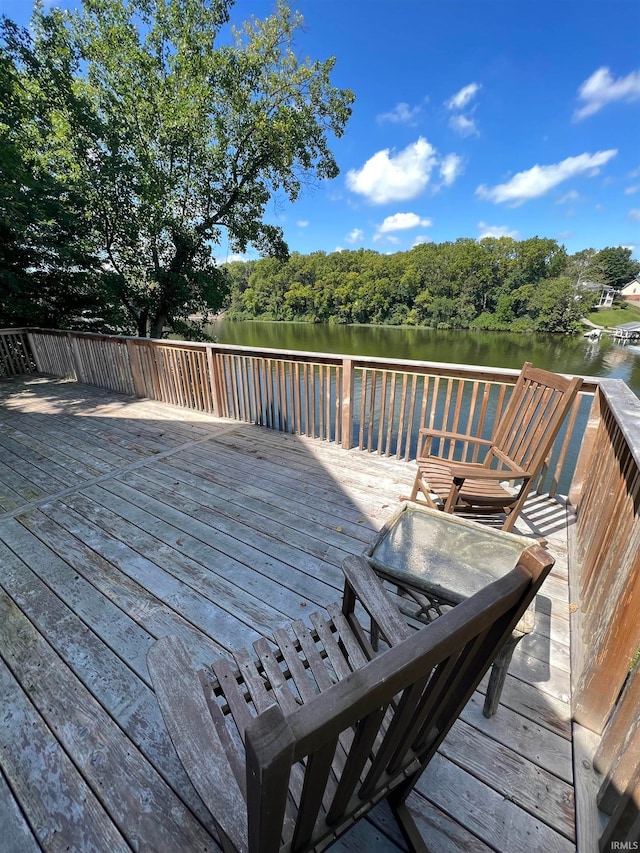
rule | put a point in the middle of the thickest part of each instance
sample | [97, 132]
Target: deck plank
[127, 520]
[223, 580]
[496, 819]
[17, 836]
[536, 790]
[59, 805]
[532, 741]
[152, 614]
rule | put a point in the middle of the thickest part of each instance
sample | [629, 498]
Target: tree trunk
[142, 323]
[157, 325]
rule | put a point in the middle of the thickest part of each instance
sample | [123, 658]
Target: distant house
[631, 291]
[605, 293]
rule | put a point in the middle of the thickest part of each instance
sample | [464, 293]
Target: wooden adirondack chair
[517, 452]
[290, 749]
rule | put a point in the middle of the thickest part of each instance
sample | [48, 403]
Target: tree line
[493, 283]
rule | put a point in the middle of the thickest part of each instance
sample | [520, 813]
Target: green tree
[615, 266]
[581, 266]
[558, 306]
[191, 132]
[45, 262]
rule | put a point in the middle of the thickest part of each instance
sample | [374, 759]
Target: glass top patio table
[438, 560]
[442, 555]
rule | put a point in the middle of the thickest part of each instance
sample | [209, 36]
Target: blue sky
[472, 118]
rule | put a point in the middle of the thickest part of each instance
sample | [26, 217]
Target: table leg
[498, 675]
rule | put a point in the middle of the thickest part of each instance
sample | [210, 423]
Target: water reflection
[575, 355]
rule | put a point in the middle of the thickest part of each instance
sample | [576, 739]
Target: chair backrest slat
[317, 772]
[394, 738]
[538, 405]
[421, 725]
[367, 732]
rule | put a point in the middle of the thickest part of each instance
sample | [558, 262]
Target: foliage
[612, 265]
[187, 129]
[616, 266]
[46, 265]
[488, 284]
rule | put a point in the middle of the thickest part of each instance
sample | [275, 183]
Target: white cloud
[601, 89]
[463, 125]
[460, 100]
[450, 168]
[356, 235]
[538, 180]
[632, 190]
[569, 197]
[386, 177]
[420, 239]
[496, 231]
[634, 214]
[232, 257]
[403, 222]
[339, 249]
[401, 114]
[302, 223]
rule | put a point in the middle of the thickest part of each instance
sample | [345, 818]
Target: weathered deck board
[495, 818]
[127, 520]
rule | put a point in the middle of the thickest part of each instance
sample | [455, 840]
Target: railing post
[347, 398]
[136, 373]
[34, 352]
[216, 383]
[76, 357]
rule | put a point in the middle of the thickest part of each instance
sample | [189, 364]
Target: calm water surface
[575, 355]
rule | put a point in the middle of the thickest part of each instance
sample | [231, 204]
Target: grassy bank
[615, 316]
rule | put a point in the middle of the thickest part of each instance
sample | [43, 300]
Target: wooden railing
[373, 404]
[15, 352]
[605, 589]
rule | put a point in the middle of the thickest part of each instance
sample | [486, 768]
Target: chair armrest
[456, 436]
[426, 436]
[463, 470]
[362, 584]
[190, 725]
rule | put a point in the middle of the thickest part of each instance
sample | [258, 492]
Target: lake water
[574, 355]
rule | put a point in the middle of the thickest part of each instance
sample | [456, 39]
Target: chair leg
[225, 842]
[425, 498]
[452, 497]
[408, 827]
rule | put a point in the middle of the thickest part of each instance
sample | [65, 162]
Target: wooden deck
[125, 520]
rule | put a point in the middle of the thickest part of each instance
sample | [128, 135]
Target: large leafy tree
[616, 266]
[45, 259]
[191, 127]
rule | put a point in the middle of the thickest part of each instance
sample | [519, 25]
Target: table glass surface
[443, 555]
